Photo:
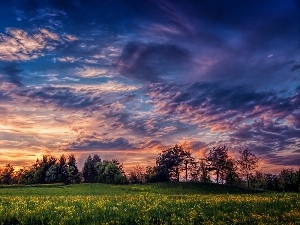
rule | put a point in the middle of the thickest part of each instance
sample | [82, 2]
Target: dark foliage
[170, 162]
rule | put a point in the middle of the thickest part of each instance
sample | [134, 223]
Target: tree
[272, 182]
[73, 175]
[217, 161]
[89, 171]
[110, 171]
[187, 164]
[169, 162]
[96, 159]
[137, 175]
[7, 174]
[41, 166]
[231, 175]
[298, 179]
[62, 169]
[203, 171]
[150, 174]
[247, 162]
[52, 174]
[199, 171]
[26, 176]
[258, 180]
[289, 180]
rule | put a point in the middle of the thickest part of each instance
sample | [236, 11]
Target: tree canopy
[172, 164]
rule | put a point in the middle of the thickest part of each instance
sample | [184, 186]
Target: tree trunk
[248, 181]
[186, 171]
[177, 174]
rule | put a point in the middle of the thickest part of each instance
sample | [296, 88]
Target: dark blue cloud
[148, 62]
[66, 98]
[95, 142]
[295, 67]
[11, 73]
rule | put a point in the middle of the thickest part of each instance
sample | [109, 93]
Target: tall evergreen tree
[73, 175]
[89, 170]
[62, 169]
[41, 166]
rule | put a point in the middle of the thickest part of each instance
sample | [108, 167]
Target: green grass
[112, 190]
[160, 203]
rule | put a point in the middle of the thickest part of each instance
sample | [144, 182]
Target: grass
[113, 190]
[160, 203]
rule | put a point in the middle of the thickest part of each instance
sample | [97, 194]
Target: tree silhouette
[169, 163]
[41, 166]
[62, 169]
[247, 162]
[137, 174]
[231, 175]
[7, 174]
[73, 175]
[217, 161]
[89, 171]
[289, 180]
[187, 164]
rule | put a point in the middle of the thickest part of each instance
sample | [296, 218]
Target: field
[161, 203]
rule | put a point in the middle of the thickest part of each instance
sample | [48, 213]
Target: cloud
[95, 142]
[19, 45]
[196, 145]
[295, 67]
[69, 37]
[3, 97]
[66, 59]
[198, 65]
[152, 61]
[62, 97]
[89, 72]
[11, 73]
[273, 135]
[290, 160]
[239, 115]
[107, 99]
[6, 88]
[164, 131]
[232, 45]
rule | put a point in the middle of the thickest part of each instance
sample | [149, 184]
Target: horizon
[126, 80]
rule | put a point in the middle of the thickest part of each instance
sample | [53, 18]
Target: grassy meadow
[160, 203]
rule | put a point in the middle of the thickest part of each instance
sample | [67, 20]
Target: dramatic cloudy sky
[125, 79]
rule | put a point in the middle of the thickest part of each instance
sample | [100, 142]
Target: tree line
[172, 164]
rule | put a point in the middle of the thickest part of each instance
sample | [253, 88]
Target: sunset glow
[126, 79]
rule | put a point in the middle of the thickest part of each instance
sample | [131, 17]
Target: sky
[126, 79]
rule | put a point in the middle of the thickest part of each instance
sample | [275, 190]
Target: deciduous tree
[7, 174]
[137, 174]
[217, 161]
[169, 162]
[247, 163]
